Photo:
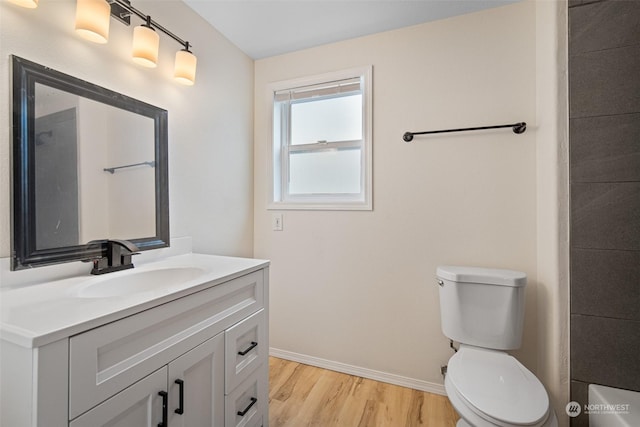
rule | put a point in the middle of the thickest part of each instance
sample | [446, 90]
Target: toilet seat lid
[499, 386]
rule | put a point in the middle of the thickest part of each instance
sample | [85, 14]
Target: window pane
[322, 172]
[328, 119]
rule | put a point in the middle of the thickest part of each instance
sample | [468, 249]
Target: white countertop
[38, 314]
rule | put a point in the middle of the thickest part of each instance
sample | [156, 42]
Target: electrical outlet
[276, 222]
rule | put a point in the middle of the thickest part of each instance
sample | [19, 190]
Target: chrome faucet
[118, 256]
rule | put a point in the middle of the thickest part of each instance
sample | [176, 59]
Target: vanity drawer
[246, 405]
[245, 349]
[107, 359]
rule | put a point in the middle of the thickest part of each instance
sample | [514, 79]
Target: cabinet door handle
[180, 409]
[253, 402]
[165, 415]
[251, 347]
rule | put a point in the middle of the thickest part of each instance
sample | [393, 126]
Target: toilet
[483, 310]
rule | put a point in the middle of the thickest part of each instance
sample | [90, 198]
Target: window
[321, 146]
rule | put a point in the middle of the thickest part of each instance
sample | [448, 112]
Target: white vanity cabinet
[199, 360]
[186, 393]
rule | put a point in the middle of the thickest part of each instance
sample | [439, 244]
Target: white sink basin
[132, 282]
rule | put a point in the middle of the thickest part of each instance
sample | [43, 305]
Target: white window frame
[278, 155]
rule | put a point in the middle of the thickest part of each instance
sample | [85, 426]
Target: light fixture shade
[145, 46]
[185, 67]
[29, 4]
[92, 20]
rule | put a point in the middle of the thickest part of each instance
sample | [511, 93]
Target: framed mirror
[88, 165]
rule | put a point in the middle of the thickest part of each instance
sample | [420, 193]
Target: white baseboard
[360, 372]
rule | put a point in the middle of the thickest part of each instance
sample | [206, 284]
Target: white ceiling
[263, 28]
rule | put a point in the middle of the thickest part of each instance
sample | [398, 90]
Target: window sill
[342, 206]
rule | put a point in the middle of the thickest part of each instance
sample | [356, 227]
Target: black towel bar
[518, 128]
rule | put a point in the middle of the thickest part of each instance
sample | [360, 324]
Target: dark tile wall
[606, 283]
[608, 351]
[605, 148]
[605, 215]
[604, 135]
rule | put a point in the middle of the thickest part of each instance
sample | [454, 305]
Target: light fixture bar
[120, 13]
[126, 5]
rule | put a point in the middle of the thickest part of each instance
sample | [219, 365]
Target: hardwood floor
[302, 395]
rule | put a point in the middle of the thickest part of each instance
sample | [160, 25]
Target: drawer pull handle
[180, 409]
[251, 347]
[165, 415]
[253, 402]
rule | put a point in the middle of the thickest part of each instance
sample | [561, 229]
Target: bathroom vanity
[182, 341]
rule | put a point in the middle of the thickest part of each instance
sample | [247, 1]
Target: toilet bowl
[491, 388]
[483, 310]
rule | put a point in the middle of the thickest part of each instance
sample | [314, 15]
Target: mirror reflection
[94, 170]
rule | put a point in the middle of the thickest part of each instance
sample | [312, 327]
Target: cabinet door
[199, 376]
[139, 405]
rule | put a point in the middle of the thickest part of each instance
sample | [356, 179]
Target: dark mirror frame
[25, 254]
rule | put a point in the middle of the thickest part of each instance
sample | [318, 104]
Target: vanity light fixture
[29, 4]
[92, 20]
[145, 45]
[185, 66]
[91, 16]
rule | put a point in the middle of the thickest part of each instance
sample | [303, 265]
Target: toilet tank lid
[492, 276]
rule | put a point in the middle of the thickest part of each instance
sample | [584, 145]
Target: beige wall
[357, 288]
[210, 124]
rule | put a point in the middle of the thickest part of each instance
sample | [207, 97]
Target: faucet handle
[131, 247]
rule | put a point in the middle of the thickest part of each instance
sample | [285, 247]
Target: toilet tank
[483, 307]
